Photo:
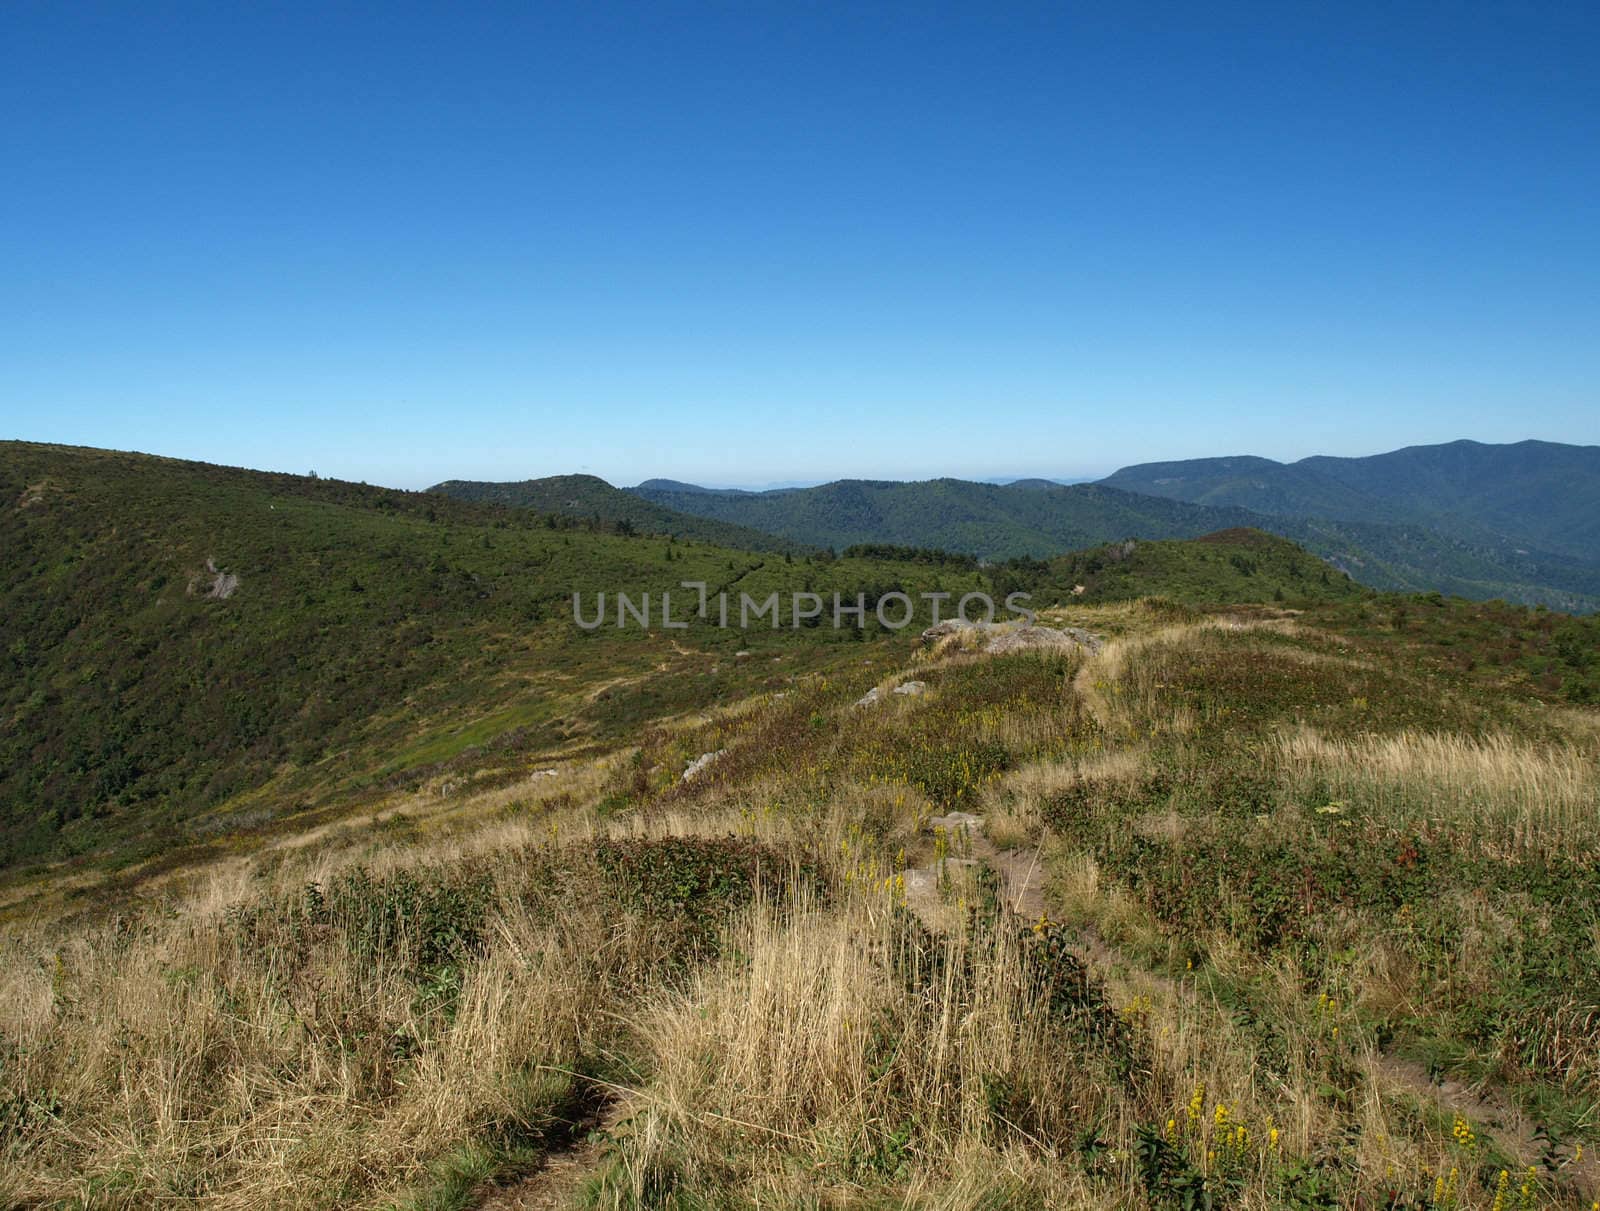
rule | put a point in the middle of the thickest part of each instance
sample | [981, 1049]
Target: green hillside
[190, 649]
[590, 498]
[1418, 558]
[175, 637]
[1229, 566]
[358, 840]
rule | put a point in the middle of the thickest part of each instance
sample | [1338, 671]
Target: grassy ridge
[373, 635]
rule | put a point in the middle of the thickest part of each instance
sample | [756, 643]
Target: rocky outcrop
[698, 765]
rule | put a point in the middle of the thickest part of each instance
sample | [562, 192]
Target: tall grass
[850, 1043]
[1538, 798]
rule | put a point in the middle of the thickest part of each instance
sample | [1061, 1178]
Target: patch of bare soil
[1021, 876]
[1513, 1132]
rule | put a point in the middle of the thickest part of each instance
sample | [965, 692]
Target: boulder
[999, 638]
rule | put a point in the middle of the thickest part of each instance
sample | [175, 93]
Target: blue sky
[743, 243]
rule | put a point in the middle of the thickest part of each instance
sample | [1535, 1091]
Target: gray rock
[699, 763]
[956, 820]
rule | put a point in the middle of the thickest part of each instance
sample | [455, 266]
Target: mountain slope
[989, 520]
[1545, 493]
[589, 497]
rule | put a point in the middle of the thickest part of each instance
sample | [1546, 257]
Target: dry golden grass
[1542, 798]
[840, 1043]
[184, 1062]
[829, 1047]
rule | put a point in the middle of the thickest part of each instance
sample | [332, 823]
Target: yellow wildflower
[1499, 1203]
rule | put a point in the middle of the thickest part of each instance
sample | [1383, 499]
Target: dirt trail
[1512, 1131]
[556, 1184]
[1021, 876]
[1020, 872]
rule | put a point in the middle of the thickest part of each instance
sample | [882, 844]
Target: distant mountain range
[1521, 521]
[1538, 495]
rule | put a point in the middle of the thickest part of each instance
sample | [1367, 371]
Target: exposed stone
[699, 763]
[956, 820]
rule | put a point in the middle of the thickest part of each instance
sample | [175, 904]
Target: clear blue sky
[740, 243]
